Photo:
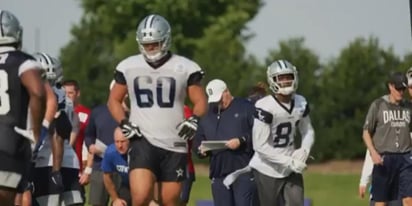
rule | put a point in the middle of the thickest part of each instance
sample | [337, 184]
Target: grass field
[323, 189]
[330, 185]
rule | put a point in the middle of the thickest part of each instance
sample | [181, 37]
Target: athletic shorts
[14, 171]
[45, 192]
[392, 179]
[166, 165]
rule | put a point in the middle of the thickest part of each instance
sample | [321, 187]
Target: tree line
[214, 33]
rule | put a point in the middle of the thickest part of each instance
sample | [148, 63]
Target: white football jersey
[157, 98]
[280, 121]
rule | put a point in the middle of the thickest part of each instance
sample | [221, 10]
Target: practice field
[325, 186]
[323, 189]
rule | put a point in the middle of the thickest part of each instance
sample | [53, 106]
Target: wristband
[88, 170]
[45, 123]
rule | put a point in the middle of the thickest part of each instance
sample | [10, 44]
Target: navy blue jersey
[101, 127]
[236, 121]
[14, 98]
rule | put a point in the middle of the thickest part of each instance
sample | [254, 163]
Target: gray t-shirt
[389, 125]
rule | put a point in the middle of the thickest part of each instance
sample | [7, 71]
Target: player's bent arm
[117, 94]
[75, 129]
[198, 97]
[109, 185]
[367, 138]
[366, 170]
[31, 79]
[308, 133]
[51, 103]
[260, 135]
[90, 132]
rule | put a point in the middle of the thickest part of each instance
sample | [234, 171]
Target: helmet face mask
[52, 67]
[10, 30]
[409, 76]
[154, 37]
[282, 77]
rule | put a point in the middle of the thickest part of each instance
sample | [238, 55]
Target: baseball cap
[215, 89]
[398, 79]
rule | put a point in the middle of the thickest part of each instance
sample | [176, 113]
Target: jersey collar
[6, 49]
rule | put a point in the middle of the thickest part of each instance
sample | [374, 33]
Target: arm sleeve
[119, 77]
[308, 134]
[90, 133]
[370, 122]
[247, 138]
[199, 137]
[260, 136]
[366, 170]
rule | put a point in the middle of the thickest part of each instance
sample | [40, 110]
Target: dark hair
[72, 82]
[258, 89]
[256, 92]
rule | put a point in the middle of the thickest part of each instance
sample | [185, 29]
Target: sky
[327, 25]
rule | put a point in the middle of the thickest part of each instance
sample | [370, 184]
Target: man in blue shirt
[115, 161]
[228, 119]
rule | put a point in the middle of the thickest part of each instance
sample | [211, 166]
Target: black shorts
[41, 179]
[15, 170]
[166, 165]
[393, 179]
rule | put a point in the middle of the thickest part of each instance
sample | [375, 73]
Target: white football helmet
[10, 30]
[52, 67]
[282, 67]
[154, 29]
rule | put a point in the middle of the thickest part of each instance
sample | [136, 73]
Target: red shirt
[188, 112]
[84, 114]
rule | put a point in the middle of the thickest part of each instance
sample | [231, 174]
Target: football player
[277, 165]
[21, 91]
[157, 82]
[56, 170]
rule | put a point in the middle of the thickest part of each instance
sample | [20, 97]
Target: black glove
[56, 182]
[187, 128]
[129, 129]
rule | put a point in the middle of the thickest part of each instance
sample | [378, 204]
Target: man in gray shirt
[386, 133]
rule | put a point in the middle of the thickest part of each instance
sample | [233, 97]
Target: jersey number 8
[165, 91]
[4, 96]
[282, 133]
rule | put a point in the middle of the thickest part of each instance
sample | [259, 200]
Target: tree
[349, 84]
[106, 34]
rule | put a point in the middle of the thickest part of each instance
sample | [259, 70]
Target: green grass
[323, 189]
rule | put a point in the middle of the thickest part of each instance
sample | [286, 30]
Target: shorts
[166, 165]
[45, 193]
[272, 190]
[14, 171]
[392, 179]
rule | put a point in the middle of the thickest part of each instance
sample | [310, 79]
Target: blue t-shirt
[113, 161]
